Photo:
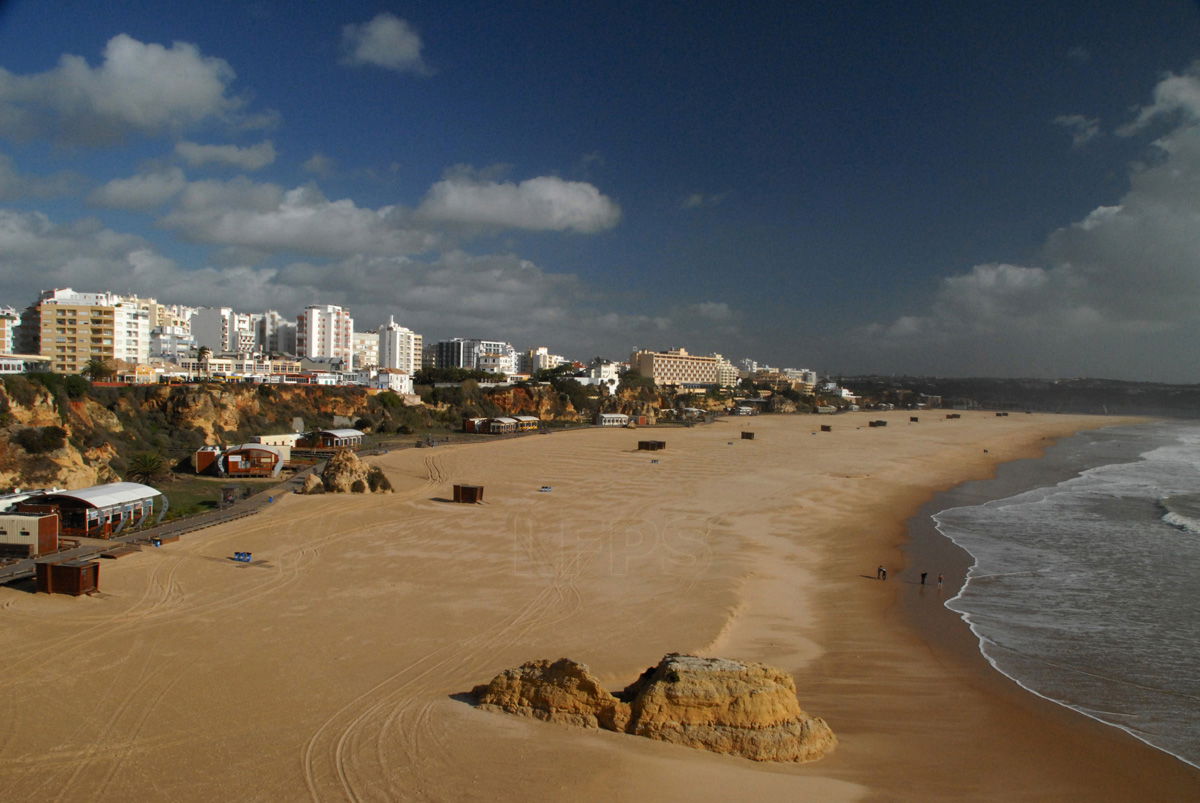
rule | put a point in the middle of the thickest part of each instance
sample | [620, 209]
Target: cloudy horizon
[1025, 206]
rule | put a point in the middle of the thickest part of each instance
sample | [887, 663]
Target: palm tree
[98, 369]
[203, 354]
[146, 467]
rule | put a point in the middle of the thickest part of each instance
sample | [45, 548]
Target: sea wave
[1182, 511]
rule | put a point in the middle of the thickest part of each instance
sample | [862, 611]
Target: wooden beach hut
[468, 494]
[72, 577]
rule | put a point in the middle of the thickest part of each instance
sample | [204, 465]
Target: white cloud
[301, 220]
[448, 294]
[144, 191]
[1175, 94]
[386, 41]
[16, 186]
[545, 203]
[138, 88]
[1118, 291]
[1083, 129]
[251, 157]
[41, 254]
[318, 164]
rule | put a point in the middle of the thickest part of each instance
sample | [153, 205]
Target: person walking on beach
[940, 581]
[879, 572]
[923, 576]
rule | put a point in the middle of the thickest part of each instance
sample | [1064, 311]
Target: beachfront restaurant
[252, 460]
[612, 419]
[101, 511]
[331, 439]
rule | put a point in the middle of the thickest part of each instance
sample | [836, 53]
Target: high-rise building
[366, 349]
[72, 328]
[727, 373]
[478, 355]
[326, 332]
[10, 319]
[399, 347]
[223, 331]
[174, 343]
[455, 353]
[274, 334]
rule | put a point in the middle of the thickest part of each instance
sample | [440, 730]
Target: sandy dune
[328, 669]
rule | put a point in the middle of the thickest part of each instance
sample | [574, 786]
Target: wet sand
[333, 667]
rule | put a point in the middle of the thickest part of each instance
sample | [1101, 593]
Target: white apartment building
[173, 343]
[602, 373]
[366, 349]
[274, 334]
[801, 378]
[538, 359]
[326, 332]
[385, 379]
[496, 357]
[481, 355]
[223, 331]
[10, 319]
[497, 363]
[727, 374]
[400, 348]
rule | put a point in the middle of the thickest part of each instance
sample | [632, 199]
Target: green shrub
[20, 390]
[38, 440]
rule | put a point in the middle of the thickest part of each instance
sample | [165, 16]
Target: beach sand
[334, 666]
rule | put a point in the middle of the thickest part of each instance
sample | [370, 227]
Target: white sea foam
[1084, 594]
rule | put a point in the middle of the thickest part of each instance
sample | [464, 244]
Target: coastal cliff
[62, 430]
[57, 430]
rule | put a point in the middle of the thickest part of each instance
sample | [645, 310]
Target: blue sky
[969, 189]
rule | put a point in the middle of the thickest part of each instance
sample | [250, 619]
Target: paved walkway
[239, 509]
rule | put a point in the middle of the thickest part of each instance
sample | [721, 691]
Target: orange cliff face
[104, 425]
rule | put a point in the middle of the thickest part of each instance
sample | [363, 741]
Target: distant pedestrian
[879, 572]
[884, 574]
[923, 576]
[940, 579]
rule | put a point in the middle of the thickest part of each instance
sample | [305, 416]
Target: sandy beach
[333, 667]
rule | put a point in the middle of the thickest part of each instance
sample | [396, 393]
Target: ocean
[1085, 589]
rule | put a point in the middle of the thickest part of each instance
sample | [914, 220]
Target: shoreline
[951, 639]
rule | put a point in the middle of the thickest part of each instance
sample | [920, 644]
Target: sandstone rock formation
[560, 691]
[346, 473]
[745, 709]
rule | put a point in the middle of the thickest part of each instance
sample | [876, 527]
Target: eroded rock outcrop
[559, 691]
[346, 473]
[744, 709]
